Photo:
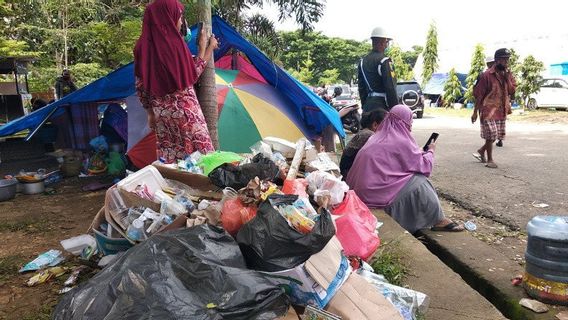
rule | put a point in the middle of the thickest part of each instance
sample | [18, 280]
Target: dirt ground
[33, 224]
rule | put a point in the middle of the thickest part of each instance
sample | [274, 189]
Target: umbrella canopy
[250, 110]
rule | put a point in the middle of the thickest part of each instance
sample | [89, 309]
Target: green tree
[343, 55]
[452, 89]
[402, 69]
[515, 67]
[430, 54]
[42, 79]
[329, 76]
[305, 73]
[530, 71]
[85, 73]
[476, 68]
[15, 48]
[411, 56]
[260, 30]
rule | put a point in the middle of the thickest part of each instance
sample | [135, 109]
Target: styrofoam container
[285, 147]
[76, 244]
[149, 176]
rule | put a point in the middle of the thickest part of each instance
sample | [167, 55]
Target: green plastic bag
[115, 164]
[212, 160]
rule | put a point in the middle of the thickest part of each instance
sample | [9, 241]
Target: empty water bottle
[136, 230]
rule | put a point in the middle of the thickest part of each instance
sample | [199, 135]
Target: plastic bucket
[8, 189]
[71, 166]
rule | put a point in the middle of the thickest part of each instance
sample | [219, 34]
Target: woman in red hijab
[165, 74]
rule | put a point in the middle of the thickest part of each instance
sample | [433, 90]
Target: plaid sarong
[493, 129]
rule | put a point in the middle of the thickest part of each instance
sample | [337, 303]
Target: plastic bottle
[136, 230]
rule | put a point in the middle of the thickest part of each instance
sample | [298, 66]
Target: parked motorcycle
[350, 116]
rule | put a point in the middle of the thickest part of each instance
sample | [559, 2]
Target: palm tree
[257, 27]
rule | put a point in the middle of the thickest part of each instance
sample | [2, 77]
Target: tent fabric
[315, 112]
[77, 126]
[250, 110]
[239, 63]
[436, 84]
[115, 124]
[304, 107]
[144, 152]
[119, 84]
[137, 122]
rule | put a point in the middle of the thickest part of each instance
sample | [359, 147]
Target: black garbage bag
[195, 273]
[269, 244]
[237, 177]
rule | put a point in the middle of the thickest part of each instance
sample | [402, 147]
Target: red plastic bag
[234, 214]
[356, 227]
[296, 186]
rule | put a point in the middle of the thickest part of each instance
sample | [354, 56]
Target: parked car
[410, 94]
[553, 94]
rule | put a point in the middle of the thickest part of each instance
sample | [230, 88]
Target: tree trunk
[206, 90]
[65, 33]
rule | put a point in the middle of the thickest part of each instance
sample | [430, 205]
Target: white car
[553, 94]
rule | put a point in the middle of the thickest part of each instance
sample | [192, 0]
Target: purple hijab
[388, 160]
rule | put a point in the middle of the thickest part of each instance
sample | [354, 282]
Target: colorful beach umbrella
[250, 110]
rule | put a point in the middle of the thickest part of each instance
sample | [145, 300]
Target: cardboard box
[201, 185]
[318, 279]
[359, 300]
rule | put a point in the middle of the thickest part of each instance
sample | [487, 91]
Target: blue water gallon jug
[546, 270]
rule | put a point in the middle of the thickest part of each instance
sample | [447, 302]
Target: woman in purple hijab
[390, 172]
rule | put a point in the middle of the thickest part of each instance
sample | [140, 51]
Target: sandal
[450, 227]
[479, 157]
[491, 165]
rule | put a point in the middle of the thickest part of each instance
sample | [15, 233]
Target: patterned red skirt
[180, 126]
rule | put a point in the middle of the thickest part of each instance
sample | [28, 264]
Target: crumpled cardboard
[359, 300]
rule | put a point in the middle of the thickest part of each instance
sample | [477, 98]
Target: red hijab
[162, 60]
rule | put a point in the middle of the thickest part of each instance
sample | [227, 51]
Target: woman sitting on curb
[390, 172]
[370, 122]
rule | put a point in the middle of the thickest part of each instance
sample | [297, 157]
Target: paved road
[533, 168]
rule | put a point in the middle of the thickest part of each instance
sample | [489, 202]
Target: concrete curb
[450, 297]
[485, 269]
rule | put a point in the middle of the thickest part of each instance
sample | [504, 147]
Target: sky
[535, 27]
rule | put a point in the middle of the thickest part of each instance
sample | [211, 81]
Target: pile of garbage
[273, 234]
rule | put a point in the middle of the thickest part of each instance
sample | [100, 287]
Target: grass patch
[449, 112]
[26, 225]
[388, 262]
[9, 266]
[44, 313]
[530, 115]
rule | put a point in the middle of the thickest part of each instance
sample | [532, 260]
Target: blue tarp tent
[119, 85]
[436, 84]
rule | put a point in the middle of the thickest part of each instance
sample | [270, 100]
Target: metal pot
[34, 187]
[7, 189]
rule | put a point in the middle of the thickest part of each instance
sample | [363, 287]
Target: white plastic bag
[321, 181]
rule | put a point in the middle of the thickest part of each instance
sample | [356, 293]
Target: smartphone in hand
[433, 137]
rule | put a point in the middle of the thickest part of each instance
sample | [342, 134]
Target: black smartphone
[183, 28]
[433, 137]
